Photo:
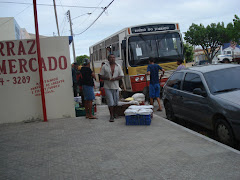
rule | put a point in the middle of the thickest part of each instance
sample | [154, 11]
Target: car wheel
[224, 132]
[169, 112]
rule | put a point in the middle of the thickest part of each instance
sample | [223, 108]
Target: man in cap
[87, 76]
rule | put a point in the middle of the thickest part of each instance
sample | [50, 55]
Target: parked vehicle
[208, 96]
[229, 55]
[201, 62]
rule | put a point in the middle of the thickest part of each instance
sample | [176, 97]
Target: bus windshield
[163, 48]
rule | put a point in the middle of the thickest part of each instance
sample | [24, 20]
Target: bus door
[126, 79]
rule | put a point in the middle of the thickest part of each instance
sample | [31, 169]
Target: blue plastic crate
[145, 119]
[138, 120]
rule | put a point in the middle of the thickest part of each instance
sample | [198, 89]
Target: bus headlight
[137, 79]
[142, 78]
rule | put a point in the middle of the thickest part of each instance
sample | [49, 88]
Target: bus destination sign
[153, 28]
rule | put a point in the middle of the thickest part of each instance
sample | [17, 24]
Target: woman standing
[87, 85]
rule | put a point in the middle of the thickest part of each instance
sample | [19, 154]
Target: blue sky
[121, 14]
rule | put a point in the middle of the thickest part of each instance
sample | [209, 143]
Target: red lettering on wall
[11, 66]
[1, 48]
[3, 67]
[43, 65]
[22, 64]
[31, 47]
[21, 50]
[10, 46]
[31, 64]
[52, 68]
[64, 62]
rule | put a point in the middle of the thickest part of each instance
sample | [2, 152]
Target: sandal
[159, 109]
[92, 117]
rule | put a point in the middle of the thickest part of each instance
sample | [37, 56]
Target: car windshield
[223, 80]
[163, 48]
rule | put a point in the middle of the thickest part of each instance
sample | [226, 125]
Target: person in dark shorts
[87, 86]
[74, 78]
[154, 86]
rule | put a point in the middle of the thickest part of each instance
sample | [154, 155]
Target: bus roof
[135, 26]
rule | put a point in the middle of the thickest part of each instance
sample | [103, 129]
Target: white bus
[132, 47]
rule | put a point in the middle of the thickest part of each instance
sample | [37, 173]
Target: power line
[64, 21]
[14, 16]
[81, 15]
[62, 5]
[91, 13]
[8, 2]
[96, 18]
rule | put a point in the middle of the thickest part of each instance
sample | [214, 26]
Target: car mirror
[200, 92]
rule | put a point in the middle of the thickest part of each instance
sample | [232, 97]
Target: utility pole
[73, 48]
[40, 64]
[56, 16]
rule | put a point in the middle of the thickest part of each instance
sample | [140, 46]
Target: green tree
[210, 38]
[188, 52]
[234, 29]
[81, 58]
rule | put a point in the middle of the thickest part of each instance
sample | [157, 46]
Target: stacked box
[138, 115]
[138, 120]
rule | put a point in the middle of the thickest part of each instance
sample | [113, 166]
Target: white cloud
[121, 14]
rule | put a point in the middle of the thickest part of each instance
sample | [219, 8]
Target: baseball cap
[86, 61]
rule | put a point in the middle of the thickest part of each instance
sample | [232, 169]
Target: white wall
[7, 29]
[19, 82]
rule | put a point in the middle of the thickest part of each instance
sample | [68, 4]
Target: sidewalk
[80, 149]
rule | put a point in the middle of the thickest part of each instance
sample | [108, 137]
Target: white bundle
[147, 106]
[134, 102]
[140, 97]
[98, 100]
[130, 112]
[145, 111]
[135, 107]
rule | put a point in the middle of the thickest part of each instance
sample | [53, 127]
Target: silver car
[208, 96]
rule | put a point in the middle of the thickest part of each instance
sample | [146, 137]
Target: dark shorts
[154, 90]
[88, 93]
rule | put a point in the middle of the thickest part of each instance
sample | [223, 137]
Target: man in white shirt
[111, 73]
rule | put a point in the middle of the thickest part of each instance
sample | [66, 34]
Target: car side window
[192, 81]
[175, 80]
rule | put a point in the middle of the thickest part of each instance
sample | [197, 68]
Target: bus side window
[115, 50]
[103, 53]
[100, 54]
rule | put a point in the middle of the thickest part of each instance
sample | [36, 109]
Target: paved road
[80, 148]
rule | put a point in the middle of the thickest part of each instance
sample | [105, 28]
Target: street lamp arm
[82, 15]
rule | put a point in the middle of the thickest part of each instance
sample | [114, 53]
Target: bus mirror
[123, 44]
